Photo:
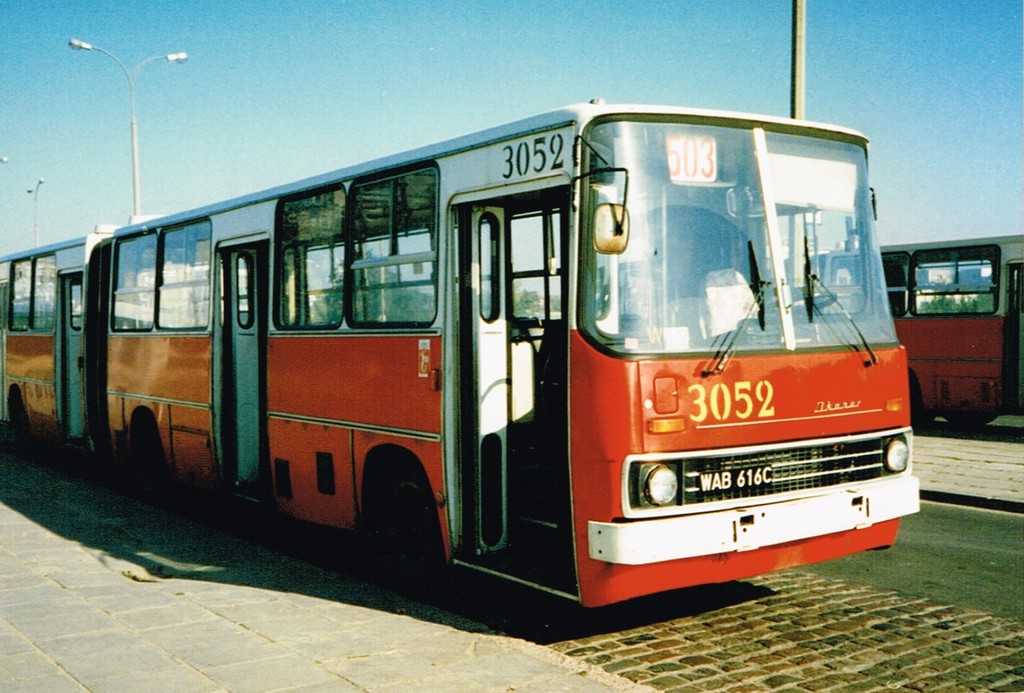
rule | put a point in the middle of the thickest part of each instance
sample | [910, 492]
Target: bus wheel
[18, 418]
[149, 469]
[919, 415]
[404, 531]
[967, 420]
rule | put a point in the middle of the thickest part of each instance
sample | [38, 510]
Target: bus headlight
[660, 484]
[897, 455]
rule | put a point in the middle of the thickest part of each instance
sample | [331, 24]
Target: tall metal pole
[796, 97]
[130, 76]
[35, 212]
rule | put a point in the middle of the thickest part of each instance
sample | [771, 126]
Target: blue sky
[275, 92]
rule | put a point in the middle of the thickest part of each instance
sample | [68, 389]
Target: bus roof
[1002, 241]
[567, 115]
[45, 249]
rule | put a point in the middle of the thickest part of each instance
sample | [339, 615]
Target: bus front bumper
[639, 542]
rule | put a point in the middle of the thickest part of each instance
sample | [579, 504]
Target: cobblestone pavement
[811, 633]
[814, 634]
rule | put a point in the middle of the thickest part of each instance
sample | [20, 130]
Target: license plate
[735, 480]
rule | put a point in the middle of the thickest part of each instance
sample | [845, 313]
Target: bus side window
[134, 293]
[896, 266]
[21, 294]
[44, 293]
[956, 281]
[185, 278]
[394, 250]
[311, 260]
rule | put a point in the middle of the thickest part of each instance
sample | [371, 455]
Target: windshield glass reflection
[700, 272]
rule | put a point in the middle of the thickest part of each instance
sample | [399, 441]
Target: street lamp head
[4, 159]
[177, 57]
[79, 45]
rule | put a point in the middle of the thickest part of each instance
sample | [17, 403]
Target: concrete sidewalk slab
[100, 592]
[979, 470]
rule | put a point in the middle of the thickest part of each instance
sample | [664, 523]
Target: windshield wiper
[728, 345]
[756, 285]
[810, 282]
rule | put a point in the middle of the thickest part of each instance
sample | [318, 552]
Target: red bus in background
[606, 351]
[959, 313]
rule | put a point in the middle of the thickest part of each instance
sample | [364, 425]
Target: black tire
[20, 428]
[146, 457]
[967, 420]
[404, 532]
[920, 416]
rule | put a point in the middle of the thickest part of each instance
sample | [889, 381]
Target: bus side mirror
[611, 228]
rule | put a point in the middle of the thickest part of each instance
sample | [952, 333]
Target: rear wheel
[148, 465]
[18, 418]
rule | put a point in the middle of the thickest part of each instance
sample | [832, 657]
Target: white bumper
[637, 542]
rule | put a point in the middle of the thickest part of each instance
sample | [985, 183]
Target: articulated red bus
[606, 351]
[959, 313]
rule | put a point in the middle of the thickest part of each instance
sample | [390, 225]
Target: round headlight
[660, 485]
[897, 455]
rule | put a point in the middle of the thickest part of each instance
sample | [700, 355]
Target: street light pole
[130, 76]
[799, 62]
[35, 212]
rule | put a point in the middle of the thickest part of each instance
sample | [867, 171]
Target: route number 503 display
[743, 400]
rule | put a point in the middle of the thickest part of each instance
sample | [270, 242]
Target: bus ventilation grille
[792, 469]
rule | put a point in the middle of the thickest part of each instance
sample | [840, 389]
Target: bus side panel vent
[282, 478]
[325, 473]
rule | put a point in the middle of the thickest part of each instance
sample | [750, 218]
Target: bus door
[70, 363]
[1014, 377]
[513, 351]
[240, 352]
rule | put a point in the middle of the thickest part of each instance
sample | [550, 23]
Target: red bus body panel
[170, 376]
[956, 372]
[347, 395]
[812, 395]
[30, 367]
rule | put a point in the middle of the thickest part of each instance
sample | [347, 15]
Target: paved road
[949, 554]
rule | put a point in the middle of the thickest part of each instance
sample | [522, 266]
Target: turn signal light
[666, 425]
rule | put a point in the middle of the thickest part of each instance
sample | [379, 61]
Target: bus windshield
[703, 266]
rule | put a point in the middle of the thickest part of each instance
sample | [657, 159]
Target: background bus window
[311, 260]
[185, 278]
[897, 266]
[956, 280]
[134, 296]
